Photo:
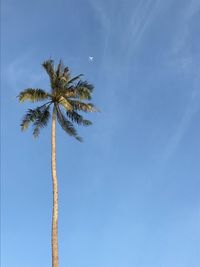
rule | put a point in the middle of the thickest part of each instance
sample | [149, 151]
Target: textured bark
[54, 234]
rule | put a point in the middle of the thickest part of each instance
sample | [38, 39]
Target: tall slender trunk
[54, 234]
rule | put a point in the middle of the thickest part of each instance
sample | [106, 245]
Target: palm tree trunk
[54, 234]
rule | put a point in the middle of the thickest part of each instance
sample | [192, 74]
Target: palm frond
[49, 67]
[86, 107]
[62, 76]
[65, 103]
[82, 90]
[29, 117]
[69, 95]
[60, 69]
[66, 73]
[75, 78]
[39, 117]
[75, 117]
[41, 121]
[66, 124]
[33, 95]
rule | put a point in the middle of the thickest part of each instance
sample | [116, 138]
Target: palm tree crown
[68, 96]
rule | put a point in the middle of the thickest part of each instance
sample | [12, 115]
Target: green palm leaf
[33, 95]
[86, 107]
[65, 103]
[82, 90]
[68, 95]
[75, 78]
[66, 73]
[66, 124]
[60, 69]
[75, 117]
[41, 121]
[49, 67]
[29, 117]
[39, 117]
[62, 76]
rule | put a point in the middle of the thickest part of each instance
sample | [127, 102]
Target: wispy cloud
[183, 59]
[192, 108]
[100, 12]
[20, 72]
[140, 19]
[130, 26]
[182, 56]
[105, 21]
[122, 32]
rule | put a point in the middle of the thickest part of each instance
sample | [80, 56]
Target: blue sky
[129, 195]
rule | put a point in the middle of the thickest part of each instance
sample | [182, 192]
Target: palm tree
[68, 96]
